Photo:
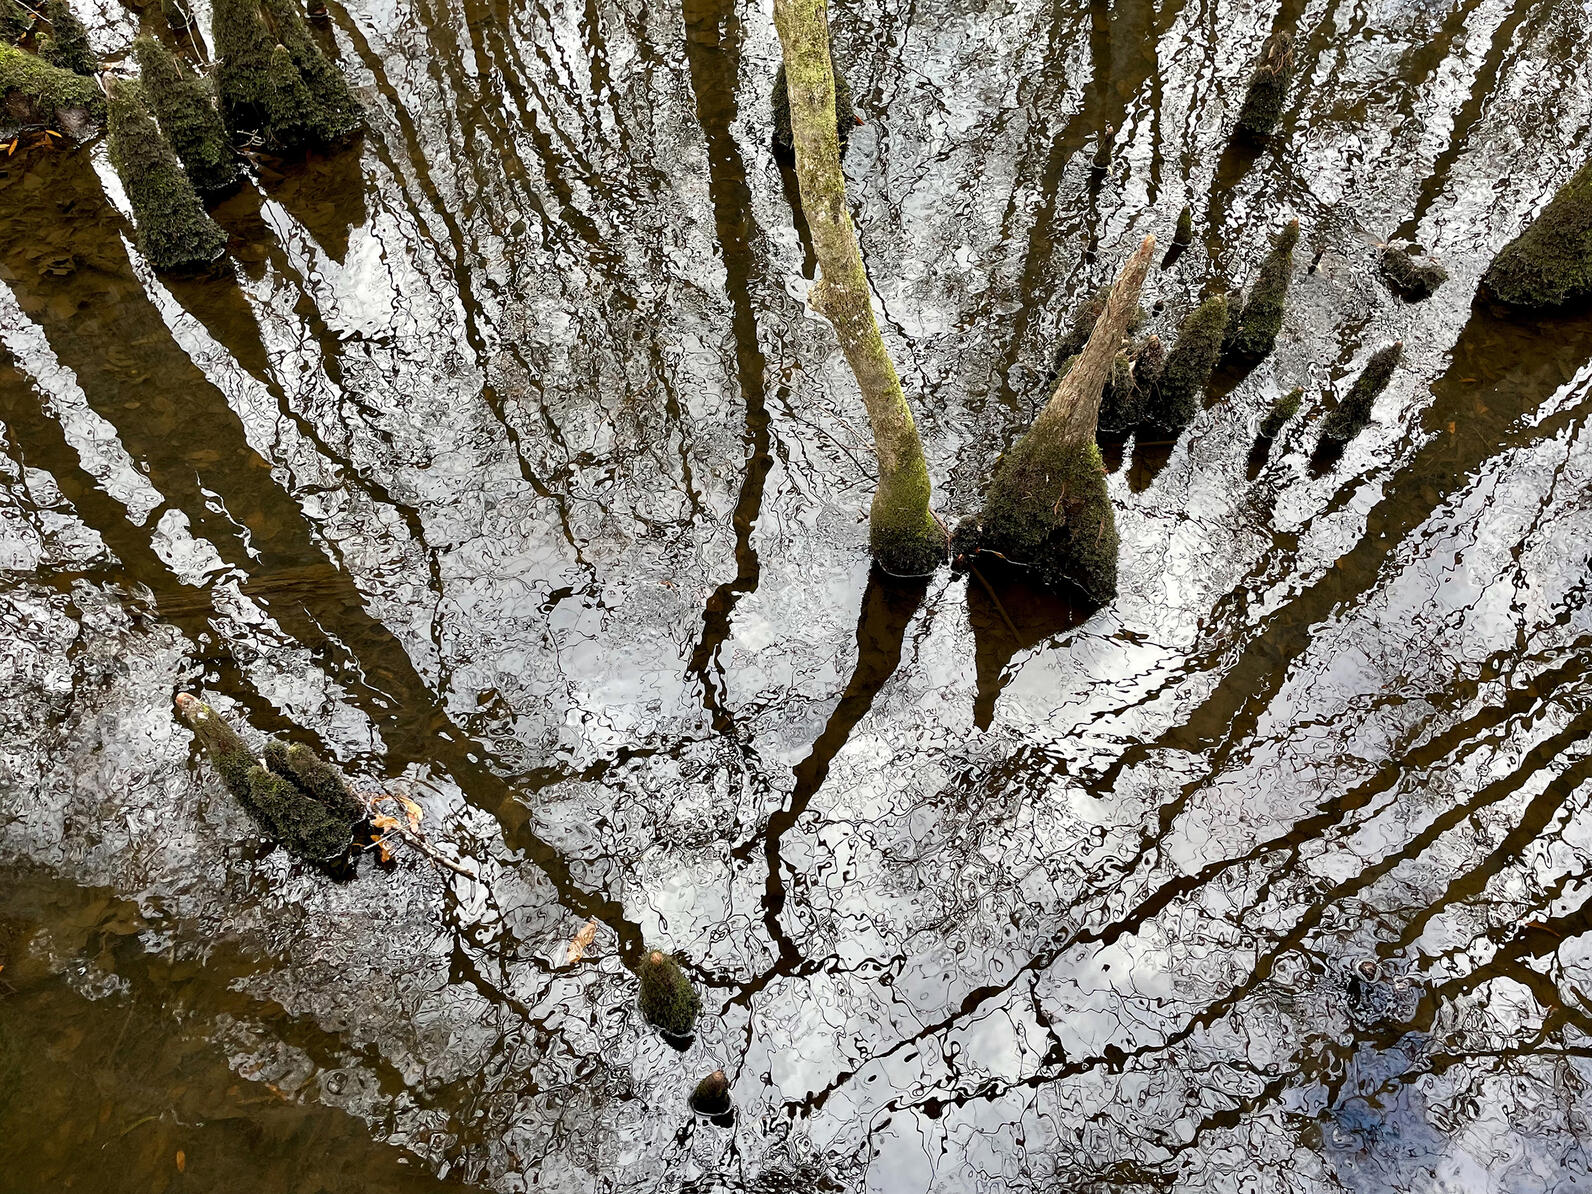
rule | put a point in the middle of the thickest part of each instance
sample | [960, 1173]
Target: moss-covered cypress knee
[1268, 87]
[337, 114]
[1185, 227]
[1047, 505]
[243, 64]
[229, 754]
[667, 999]
[1549, 265]
[1083, 323]
[173, 230]
[34, 94]
[15, 21]
[184, 104]
[1176, 399]
[1415, 278]
[1133, 375]
[712, 1094]
[305, 827]
[846, 118]
[67, 45]
[1261, 319]
[177, 15]
[1354, 412]
[1285, 408]
[316, 778]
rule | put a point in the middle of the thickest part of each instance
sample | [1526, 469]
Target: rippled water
[508, 463]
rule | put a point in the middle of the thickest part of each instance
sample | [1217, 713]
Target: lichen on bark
[903, 535]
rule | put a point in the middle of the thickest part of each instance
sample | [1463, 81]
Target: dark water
[507, 463]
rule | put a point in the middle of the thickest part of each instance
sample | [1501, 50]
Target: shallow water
[507, 462]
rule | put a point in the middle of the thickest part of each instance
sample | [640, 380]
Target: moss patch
[185, 106]
[667, 999]
[1354, 412]
[34, 94]
[1268, 87]
[173, 230]
[275, 83]
[1261, 319]
[1415, 278]
[1176, 399]
[1133, 375]
[845, 115]
[15, 21]
[1285, 408]
[1549, 265]
[1185, 227]
[336, 114]
[67, 44]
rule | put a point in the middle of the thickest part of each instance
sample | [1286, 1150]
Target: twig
[404, 830]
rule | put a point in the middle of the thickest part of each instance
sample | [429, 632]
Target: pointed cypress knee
[185, 107]
[173, 230]
[67, 44]
[1268, 87]
[1185, 227]
[846, 118]
[337, 114]
[1548, 267]
[667, 999]
[712, 1095]
[1047, 506]
[1261, 318]
[1176, 400]
[1285, 408]
[243, 65]
[1354, 412]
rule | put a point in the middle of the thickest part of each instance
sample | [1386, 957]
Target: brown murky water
[507, 462]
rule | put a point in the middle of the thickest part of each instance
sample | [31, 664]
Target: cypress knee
[185, 107]
[1354, 412]
[1262, 316]
[1549, 265]
[67, 44]
[1285, 408]
[1176, 400]
[173, 230]
[846, 118]
[668, 1000]
[1268, 87]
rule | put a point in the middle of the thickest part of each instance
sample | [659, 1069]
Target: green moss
[1414, 278]
[1549, 265]
[305, 827]
[34, 94]
[336, 114]
[903, 537]
[1133, 375]
[185, 107]
[668, 1000]
[315, 778]
[1261, 318]
[229, 754]
[15, 21]
[1176, 399]
[712, 1094]
[1268, 87]
[1083, 322]
[67, 45]
[1047, 507]
[243, 64]
[177, 14]
[173, 230]
[846, 118]
[1354, 412]
[1285, 408]
[1185, 226]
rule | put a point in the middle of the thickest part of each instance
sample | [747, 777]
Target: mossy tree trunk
[903, 534]
[1047, 505]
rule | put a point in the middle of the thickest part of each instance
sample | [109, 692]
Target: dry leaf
[12, 148]
[581, 941]
[182, 1161]
[412, 810]
[381, 846]
[384, 822]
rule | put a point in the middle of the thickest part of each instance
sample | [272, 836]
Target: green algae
[1285, 408]
[1548, 267]
[1256, 327]
[1268, 87]
[66, 46]
[1176, 398]
[667, 999]
[1414, 278]
[36, 94]
[173, 230]
[846, 119]
[1354, 412]
[185, 107]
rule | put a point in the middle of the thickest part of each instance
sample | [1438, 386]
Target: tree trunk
[903, 535]
[1047, 505]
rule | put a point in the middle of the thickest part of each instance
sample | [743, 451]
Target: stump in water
[1176, 400]
[274, 81]
[185, 106]
[1285, 408]
[1354, 412]
[1268, 87]
[1549, 265]
[1415, 277]
[846, 118]
[36, 95]
[66, 45]
[667, 999]
[173, 230]
[1261, 319]
[300, 801]
[1047, 505]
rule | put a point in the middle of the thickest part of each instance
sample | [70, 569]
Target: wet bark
[903, 535]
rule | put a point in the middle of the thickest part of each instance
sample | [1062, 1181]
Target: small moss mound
[1268, 87]
[1176, 399]
[1133, 375]
[1549, 266]
[291, 794]
[337, 114]
[1184, 235]
[67, 44]
[275, 83]
[845, 115]
[1257, 325]
[34, 94]
[712, 1095]
[1414, 277]
[668, 1000]
[1285, 408]
[173, 230]
[185, 106]
[1354, 412]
